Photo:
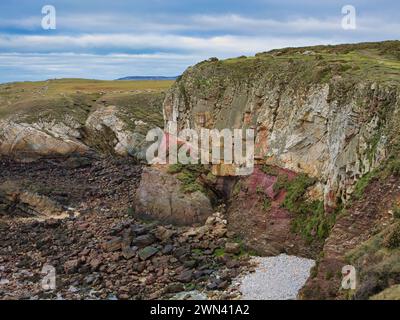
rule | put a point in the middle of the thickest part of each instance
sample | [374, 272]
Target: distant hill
[147, 78]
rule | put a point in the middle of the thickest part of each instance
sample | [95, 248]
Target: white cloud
[224, 23]
[91, 45]
[222, 46]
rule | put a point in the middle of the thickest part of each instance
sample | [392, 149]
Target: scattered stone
[174, 288]
[99, 243]
[89, 279]
[220, 231]
[185, 276]
[147, 253]
[223, 285]
[95, 264]
[233, 248]
[180, 252]
[139, 230]
[168, 249]
[163, 233]
[71, 266]
[190, 295]
[212, 286]
[113, 245]
[127, 238]
[129, 253]
[144, 240]
[210, 221]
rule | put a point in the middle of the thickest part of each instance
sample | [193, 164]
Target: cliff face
[325, 114]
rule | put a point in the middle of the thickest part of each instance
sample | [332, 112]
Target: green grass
[197, 252]
[219, 252]
[270, 170]
[86, 86]
[377, 260]
[392, 240]
[188, 175]
[267, 204]
[343, 66]
[76, 98]
[310, 219]
[237, 188]
[312, 222]
[296, 189]
[362, 184]
[281, 183]
[388, 168]
[260, 190]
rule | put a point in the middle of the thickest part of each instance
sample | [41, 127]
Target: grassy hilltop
[55, 99]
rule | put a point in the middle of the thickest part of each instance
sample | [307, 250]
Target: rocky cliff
[327, 112]
[326, 121]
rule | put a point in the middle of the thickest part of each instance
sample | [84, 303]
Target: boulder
[160, 197]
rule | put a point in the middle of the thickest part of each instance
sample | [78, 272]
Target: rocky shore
[100, 250]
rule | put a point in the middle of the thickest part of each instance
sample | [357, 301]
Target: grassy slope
[301, 66]
[54, 99]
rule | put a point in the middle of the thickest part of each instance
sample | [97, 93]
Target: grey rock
[144, 240]
[147, 253]
[185, 276]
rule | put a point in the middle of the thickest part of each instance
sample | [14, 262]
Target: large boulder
[161, 197]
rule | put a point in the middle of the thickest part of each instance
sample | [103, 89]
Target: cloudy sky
[111, 39]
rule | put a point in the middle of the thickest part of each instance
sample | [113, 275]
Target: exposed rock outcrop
[114, 124]
[314, 128]
[22, 203]
[25, 140]
[356, 240]
[333, 116]
[256, 214]
[160, 196]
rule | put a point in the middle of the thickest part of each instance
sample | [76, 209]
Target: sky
[111, 39]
